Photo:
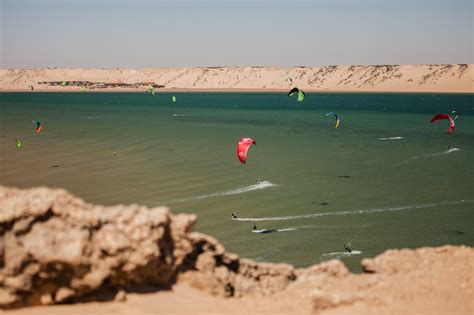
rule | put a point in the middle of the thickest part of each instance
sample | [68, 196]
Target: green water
[320, 186]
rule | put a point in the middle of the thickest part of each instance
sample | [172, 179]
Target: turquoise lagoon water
[314, 186]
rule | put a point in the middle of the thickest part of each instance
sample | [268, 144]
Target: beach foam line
[261, 185]
[391, 138]
[435, 154]
[351, 212]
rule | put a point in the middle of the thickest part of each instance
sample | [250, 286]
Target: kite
[39, 126]
[242, 148]
[338, 120]
[441, 116]
[301, 94]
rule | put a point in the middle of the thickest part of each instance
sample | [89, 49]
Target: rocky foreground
[376, 78]
[55, 248]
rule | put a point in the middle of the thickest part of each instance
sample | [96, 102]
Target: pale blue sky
[146, 33]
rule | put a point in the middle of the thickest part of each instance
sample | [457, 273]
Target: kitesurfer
[254, 227]
[347, 247]
[234, 215]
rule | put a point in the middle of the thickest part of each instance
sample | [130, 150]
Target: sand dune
[378, 78]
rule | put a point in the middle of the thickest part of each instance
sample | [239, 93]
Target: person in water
[347, 247]
[234, 215]
[254, 227]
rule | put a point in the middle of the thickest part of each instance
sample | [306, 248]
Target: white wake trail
[337, 255]
[260, 185]
[181, 115]
[435, 154]
[391, 138]
[352, 212]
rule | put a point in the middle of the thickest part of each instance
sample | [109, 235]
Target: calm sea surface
[315, 187]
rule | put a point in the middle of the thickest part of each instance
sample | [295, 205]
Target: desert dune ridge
[455, 78]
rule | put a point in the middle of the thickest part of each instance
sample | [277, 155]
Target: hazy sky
[146, 33]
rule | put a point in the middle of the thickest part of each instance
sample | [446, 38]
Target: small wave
[260, 185]
[95, 117]
[351, 212]
[435, 154]
[391, 138]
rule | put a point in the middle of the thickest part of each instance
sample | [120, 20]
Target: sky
[147, 33]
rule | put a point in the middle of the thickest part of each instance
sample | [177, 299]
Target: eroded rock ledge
[56, 248]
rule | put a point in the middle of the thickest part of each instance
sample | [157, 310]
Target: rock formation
[55, 248]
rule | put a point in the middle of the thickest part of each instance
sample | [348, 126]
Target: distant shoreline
[447, 78]
[228, 91]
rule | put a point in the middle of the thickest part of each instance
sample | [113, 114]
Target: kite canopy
[242, 148]
[441, 116]
[338, 120]
[39, 126]
[301, 94]
[173, 98]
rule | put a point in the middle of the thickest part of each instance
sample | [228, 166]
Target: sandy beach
[452, 78]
